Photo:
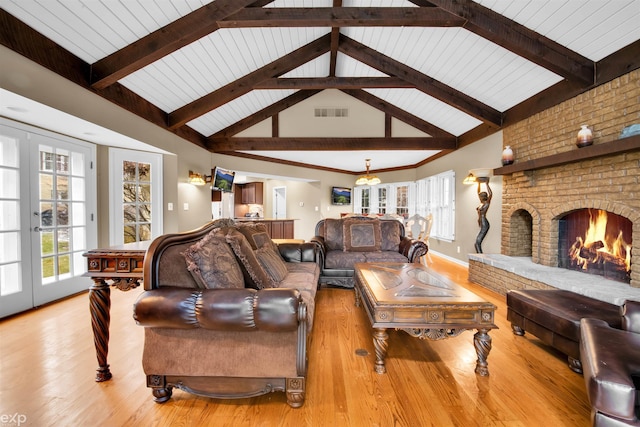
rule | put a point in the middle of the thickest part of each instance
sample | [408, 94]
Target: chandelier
[368, 179]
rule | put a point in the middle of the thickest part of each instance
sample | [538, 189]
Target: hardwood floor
[47, 367]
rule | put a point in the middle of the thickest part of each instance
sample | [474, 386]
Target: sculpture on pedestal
[485, 201]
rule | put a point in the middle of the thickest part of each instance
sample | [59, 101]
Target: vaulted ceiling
[207, 70]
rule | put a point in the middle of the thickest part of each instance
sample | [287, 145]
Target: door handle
[37, 229]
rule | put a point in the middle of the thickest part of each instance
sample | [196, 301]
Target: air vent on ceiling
[331, 112]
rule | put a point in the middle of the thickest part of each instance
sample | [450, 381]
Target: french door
[47, 216]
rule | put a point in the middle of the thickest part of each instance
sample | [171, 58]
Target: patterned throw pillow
[272, 263]
[362, 235]
[254, 274]
[390, 233]
[333, 234]
[212, 263]
[256, 233]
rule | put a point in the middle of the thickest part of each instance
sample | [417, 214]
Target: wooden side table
[119, 266]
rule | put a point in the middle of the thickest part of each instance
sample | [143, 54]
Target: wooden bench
[554, 317]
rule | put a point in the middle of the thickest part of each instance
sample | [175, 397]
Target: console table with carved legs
[424, 304]
[118, 266]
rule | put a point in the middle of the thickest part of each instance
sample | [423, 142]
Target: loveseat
[227, 313]
[611, 363]
[346, 241]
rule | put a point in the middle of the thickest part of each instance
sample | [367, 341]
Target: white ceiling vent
[331, 112]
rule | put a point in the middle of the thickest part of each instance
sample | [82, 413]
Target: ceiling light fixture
[368, 179]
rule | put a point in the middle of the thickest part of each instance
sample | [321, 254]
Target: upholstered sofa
[346, 241]
[227, 313]
[611, 363]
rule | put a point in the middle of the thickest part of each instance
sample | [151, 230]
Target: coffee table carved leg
[381, 344]
[100, 305]
[482, 342]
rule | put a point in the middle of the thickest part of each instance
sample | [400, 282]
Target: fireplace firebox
[597, 242]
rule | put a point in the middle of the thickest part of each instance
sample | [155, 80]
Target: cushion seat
[554, 317]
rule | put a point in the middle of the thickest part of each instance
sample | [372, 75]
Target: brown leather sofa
[611, 363]
[346, 241]
[227, 331]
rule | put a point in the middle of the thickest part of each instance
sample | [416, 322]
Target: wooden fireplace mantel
[617, 146]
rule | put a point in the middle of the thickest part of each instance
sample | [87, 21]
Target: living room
[608, 109]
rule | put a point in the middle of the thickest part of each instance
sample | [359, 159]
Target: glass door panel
[15, 283]
[62, 234]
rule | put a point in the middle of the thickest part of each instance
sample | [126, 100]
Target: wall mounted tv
[340, 196]
[222, 179]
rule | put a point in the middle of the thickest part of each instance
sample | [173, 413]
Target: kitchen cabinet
[277, 228]
[252, 193]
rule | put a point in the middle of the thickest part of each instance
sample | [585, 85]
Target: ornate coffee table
[424, 304]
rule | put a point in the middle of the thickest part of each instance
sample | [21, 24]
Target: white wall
[485, 153]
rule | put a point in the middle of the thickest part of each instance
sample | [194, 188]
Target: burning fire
[597, 249]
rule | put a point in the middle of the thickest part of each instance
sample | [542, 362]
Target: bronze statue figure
[485, 201]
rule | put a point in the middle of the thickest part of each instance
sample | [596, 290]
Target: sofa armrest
[631, 316]
[610, 361]
[299, 252]
[413, 249]
[243, 309]
[322, 248]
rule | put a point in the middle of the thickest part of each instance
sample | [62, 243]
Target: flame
[596, 239]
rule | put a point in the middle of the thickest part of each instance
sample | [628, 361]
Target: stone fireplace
[554, 188]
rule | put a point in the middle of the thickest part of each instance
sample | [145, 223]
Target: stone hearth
[502, 273]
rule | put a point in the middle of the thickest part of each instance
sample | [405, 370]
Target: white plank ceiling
[454, 56]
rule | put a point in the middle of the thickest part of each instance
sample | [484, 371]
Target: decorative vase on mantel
[507, 156]
[585, 137]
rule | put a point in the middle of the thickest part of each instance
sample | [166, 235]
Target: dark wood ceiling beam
[162, 42]
[342, 17]
[335, 39]
[396, 112]
[330, 144]
[333, 58]
[621, 62]
[521, 40]
[333, 83]
[245, 84]
[265, 113]
[422, 82]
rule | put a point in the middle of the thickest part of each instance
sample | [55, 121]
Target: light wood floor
[47, 366]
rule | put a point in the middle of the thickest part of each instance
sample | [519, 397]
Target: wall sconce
[197, 179]
[470, 179]
[477, 175]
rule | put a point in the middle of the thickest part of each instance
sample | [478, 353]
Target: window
[364, 203]
[436, 195]
[136, 201]
[402, 200]
[382, 200]
[136, 196]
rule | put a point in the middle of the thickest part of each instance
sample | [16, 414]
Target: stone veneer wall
[534, 201]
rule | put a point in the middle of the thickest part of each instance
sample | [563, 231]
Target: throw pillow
[256, 233]
[333, 234]
[212, 263]
[255, 276]
[390, 233]
[272, 263]
[362, 235]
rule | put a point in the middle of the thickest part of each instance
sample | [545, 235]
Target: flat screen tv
[340, 196]
[222, 179]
